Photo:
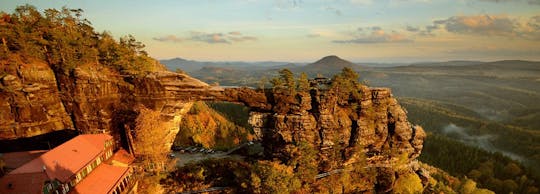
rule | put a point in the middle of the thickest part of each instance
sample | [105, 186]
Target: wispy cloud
[361, 2]
[374, 35]
[412, 29]
[169, 38]
[210, 38]
[530, 2]
[480, 24]
[334, 10]
[313, 35]
[489, 25]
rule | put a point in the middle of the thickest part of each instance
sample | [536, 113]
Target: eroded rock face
[35, 100]
[30, 102]
[371, 129]
[374, 125]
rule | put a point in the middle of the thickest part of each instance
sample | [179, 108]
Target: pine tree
[303, 82]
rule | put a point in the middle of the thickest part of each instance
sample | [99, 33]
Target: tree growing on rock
[150, 131]
[346, 84]
[303, 82]
[285, 81]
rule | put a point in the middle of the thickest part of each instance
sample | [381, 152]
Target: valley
[490, 106]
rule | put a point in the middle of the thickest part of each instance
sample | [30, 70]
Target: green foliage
[346, 84]
[271, 177]
[469, 187]
[178, 70]
[205, 174]
[65, 40]
[303, 82]
[408, 183]
[237, 113]
[287, 77]
[215, 127]
[304, 160]
[285, 81]
[490, 170]
[257, 177]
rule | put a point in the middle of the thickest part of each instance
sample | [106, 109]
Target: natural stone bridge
[94, 102]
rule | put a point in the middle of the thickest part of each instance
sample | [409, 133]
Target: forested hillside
[65, 40]
[217, 125]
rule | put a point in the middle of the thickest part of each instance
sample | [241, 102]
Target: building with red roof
[80, 165]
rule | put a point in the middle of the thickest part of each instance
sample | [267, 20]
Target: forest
[65, 40]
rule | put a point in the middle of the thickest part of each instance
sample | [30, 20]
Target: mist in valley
[480, 141]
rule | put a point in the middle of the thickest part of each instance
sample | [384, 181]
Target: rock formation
[369, 128]
[36, 100]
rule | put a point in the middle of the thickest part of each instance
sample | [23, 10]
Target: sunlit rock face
[369, 131]
[374, 126]
[30, 102]
[35, 100]
[369, 128]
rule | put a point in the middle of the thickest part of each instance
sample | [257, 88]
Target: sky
[306, 30]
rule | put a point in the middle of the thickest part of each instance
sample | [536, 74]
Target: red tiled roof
[14, 160]
[31, 183]
[101, 180]
[123, 156]
[65, 160]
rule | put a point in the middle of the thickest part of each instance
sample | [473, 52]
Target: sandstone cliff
[369, 129]
[35, 100]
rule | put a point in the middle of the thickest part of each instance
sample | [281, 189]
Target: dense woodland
[65, 40]
[217, 125]
[490, 169]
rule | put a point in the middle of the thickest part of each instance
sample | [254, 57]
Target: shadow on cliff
[39, 142]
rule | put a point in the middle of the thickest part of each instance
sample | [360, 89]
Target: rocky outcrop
[30, 102]
[36, 100]
[374, 125]
[364, 126]
[370, 129]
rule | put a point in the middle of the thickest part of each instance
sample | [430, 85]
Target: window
[78, 178]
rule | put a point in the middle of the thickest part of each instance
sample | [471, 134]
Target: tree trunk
[4, 42]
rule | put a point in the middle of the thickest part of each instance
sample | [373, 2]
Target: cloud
[361, 2]
[530, 2]
[313, 35]
[243, 38]
[235, 33]
[287, 4]
[375, 35]
[534, 2]
[169, 38]
[488, 25]
[210, 38]
[480, 24]
[412, 29]
[335, 10]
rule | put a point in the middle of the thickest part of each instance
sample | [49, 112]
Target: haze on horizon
[304, 31]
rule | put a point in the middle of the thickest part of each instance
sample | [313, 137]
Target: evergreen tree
[303, 82]
[287, 78]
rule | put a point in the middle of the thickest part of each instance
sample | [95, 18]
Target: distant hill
[191, 66]
[447, 63]
[327, 66]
